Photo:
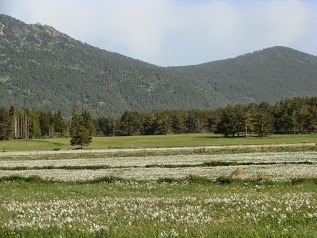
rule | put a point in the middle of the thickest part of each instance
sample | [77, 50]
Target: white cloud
[173, 32]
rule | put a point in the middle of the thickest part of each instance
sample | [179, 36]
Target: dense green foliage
[297, 115]
[42, 68]
[30, 123]
[82, 128]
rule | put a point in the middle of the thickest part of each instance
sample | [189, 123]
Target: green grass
[223, 232]
[153, 141]
[122, 208]
[115, 207]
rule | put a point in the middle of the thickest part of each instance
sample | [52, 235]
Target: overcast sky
[177, 32]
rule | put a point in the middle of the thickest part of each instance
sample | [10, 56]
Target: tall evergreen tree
[59, 123]
[179, 118]
[250, 115]
[88, 122]
[80, 130]
[5, 124]
[46, 125]
[163, 124]
[107, 126]
[33, 124]
[197, 121]
[263, 120]
[232, 121]
[312, 103]
[131, 123]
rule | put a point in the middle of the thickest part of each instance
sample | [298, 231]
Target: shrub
[224, 180]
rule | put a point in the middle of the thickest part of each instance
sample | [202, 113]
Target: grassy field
[190, 208]
[181, 193]
[153, 141]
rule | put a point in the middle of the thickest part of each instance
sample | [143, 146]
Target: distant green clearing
[182, 140]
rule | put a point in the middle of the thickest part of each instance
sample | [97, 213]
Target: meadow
[161, 192]
[157, 141]
[281, 166]
[190, 208]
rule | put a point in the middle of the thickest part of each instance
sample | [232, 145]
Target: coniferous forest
[45, 69]
[296, 115]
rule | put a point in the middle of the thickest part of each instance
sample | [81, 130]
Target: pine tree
[83, 138]
[59, 123]
[179, 118]
[88, 122]
[131, 123]
[232, 121]
[34, 127]
[5, 124]
[80, 129]
[264, 120]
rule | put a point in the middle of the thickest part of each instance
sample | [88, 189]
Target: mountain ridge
[43, 68]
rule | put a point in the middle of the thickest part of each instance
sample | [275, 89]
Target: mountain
[268, 75]
[43, 68]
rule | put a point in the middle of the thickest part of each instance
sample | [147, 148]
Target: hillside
[268, 75]
[41, 67]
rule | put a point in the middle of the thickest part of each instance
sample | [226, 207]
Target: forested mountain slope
[43, 68]
[267, 75]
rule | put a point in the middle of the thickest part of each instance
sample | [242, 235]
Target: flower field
[133, 209]
[279, 165]
[63, 202]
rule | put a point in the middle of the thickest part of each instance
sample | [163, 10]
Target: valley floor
[160, 192]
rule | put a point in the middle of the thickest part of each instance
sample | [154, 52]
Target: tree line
[28, 123]
[296, 115]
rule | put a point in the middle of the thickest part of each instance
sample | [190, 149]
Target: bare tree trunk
[21, 127]
[26, 128]
[18, 127]
[246, 131]
[15, 125]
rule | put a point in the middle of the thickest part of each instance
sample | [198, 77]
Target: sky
[177, 32]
